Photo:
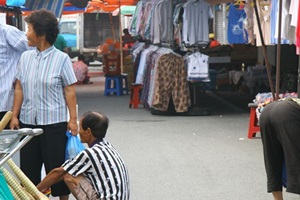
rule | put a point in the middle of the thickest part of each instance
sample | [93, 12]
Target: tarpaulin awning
[59, 7]
[70, 9]
[108, 5]
[56, 6]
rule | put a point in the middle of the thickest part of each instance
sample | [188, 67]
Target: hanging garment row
[163, 75]
[186, 23]
[166, 74]
[243, 28]
[153, 20]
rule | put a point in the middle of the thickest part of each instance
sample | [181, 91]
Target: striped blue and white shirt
[103, 166]
[43, 76]
[13, 43]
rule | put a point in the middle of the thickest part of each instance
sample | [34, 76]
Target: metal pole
[121, 41]
[278, 50]
[264, 49]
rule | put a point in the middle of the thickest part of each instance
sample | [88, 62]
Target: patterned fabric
[13, 43]
[150, 9]
[80, 70]
[85, 190]
[103, 166]
[134, 23]
[43, 75]
[297, 100]
[171, 81]
[153, 77]
[151, 57]
[55, 6]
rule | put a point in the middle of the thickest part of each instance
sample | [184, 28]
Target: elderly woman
[44, 93]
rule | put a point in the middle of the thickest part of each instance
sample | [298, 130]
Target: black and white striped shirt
[103, 166]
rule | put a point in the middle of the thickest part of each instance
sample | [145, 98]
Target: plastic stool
[113, 85]
[253, 127]
[125, 85]
[135, 95]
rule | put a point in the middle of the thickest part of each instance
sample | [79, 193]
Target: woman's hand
[14, 123]
[73, 127]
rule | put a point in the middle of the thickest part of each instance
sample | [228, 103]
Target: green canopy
[125, 10]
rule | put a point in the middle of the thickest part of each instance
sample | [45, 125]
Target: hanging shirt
[135, 19]
[274, 23]
[142, 64]
[197, 67]
[294, 12]
[162, 22]
[177, 22]
[264, 10]
[195, 28]
[147, 32]
[287, 31]
[236, 31]
[249, 23]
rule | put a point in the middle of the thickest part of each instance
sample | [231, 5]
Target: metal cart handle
[29, 134]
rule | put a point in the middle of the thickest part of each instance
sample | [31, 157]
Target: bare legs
[277, 195]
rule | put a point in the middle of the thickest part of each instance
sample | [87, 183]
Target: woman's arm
[18, 99]
[70, 94]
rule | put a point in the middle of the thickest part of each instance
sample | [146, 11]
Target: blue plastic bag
[284, 175]
[74, 146]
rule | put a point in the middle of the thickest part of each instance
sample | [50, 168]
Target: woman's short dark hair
[45, 23]
[97, 122]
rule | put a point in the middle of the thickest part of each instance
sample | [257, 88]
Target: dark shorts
[85, 190]
[280, 132]
[48, 149]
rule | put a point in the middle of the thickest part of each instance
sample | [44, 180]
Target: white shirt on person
[13, 43]
[43, 76]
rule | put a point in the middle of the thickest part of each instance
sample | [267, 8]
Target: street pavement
[183, 157]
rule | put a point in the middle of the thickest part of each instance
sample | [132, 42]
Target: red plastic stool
[253, 127]
[135, 95]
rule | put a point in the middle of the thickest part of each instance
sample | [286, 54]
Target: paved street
[183, 157]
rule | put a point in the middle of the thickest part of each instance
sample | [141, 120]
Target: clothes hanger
[239, 2]
[264, 2]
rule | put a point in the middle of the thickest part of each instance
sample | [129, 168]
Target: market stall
[173, 32]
